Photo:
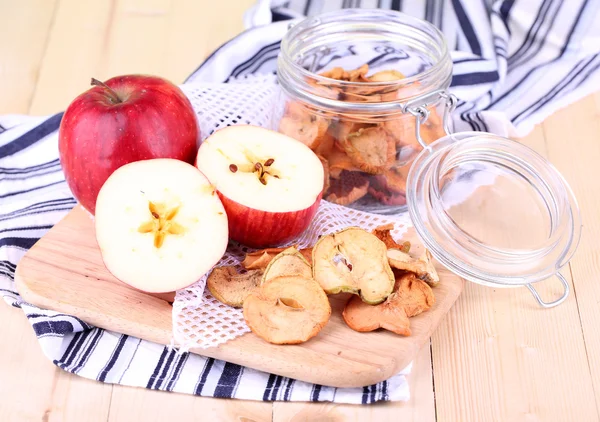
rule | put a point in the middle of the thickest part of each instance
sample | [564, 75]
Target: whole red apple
[125, 119]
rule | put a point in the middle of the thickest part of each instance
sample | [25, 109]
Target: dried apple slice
[260, 259]
[391, 180]
[339, 161]
[358, 74]
[340, 129]
[326, 181]
[384, 234]
[354, 261]
[335, 73]
[230, 287]
[388, 188]
[309, 130]
[360, 97]
[288, 262]
[411, 297]
[307, 254]
[341, 74]
[388, 198]
[422, 267]
[287, 310]
[347, 188]
[386, 76]
[326, 145]
[402, 130]
[370, 149]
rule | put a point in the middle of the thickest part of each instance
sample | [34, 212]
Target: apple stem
[114, 96]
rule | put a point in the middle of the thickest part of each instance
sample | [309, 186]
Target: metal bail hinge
[418, 108]
[558, 301]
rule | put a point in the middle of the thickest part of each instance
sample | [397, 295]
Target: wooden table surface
[496, 357]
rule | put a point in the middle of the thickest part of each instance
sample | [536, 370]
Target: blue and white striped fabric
[515, 62]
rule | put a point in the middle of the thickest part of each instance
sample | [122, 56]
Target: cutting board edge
[348, 380]
[352, 380]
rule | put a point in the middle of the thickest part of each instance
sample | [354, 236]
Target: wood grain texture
[115, 37]
[24, 29]
[136, 404]
[499, 356]
[420, 407]
[479, 368]
[573, 146]
[64, 272]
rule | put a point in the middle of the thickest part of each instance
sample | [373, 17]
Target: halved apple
[159, 224]
[270, 184]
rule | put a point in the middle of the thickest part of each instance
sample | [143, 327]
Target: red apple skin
[261, 229]
[151, 118]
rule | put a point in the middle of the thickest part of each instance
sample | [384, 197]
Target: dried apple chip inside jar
[353, 261]
[388, 188]
[326, 182]
[411, 297]
[230, 287]
[309, 130]
[347, 188]
[422, 267]
[386, 76]
[287, 310]
[302, 124]
[372, 150]
[339, 161]
[288, 262]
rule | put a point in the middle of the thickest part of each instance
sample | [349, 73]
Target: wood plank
[160, 37]
[37, 389]
[34, 388]
[64, 271]
[78, 399]
[420, 407]
[28, 378]
[499, 356]
[24, 27]
[572, 136]
[136, 404]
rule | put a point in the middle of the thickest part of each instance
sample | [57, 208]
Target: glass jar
[489, 209]
[493, 211]
[351, 81]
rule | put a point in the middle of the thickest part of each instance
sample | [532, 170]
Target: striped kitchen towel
[515, 62]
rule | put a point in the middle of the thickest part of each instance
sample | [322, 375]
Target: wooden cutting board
[64, 272]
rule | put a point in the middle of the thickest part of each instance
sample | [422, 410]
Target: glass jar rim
[456, 249]
[294, 78]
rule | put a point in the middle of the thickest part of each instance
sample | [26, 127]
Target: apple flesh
[159, 225]
[270, 184]
[125, 119]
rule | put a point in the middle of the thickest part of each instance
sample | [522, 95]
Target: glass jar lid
[493, 211]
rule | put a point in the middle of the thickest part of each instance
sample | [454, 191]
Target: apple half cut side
[269, 183]
[159, 225]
